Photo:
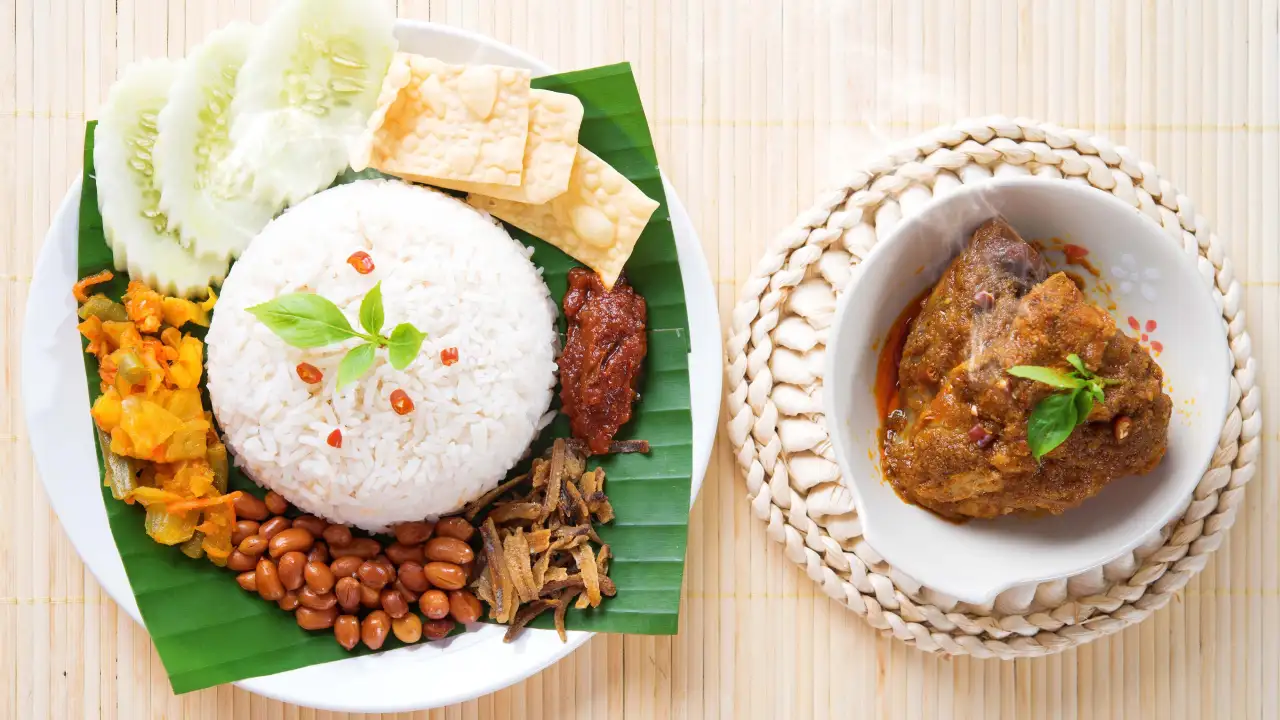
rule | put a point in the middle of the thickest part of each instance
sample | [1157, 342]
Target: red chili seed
[309, 373]
[361, 261]
[401, 403]
[335, 438]
[449, 356]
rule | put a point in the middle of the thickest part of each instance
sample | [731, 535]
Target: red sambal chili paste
[602, 356]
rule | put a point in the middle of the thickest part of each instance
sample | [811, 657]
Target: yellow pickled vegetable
[145, 307]
[185, 372]
[179, 312]
[151, 410]
[187, 442]
[185, 403]
[122, 334]
[169, 528]
[147, 425]
[218, 523]
[106, 410]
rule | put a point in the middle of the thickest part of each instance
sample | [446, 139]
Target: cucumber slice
[128, 194]
[305, 93]
[195, 130]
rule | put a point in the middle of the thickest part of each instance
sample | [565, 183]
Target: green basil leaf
[404, 344]
[1096, 391]
[1048, 376]
[304, 320]
[355, 363]
[1078, 364]
[1084, 406]
[1051, 422]
[371, 315]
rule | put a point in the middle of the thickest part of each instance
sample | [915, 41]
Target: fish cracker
[554, 121]
[597, 220]
[448, 122]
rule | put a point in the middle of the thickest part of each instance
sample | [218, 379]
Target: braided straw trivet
[776, 425]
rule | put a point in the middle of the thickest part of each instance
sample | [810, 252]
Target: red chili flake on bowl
[335, 438]
[401, 403]
[309, 373]
[1151, 326]
[361, 261]
[1074, 252]
[449, 356]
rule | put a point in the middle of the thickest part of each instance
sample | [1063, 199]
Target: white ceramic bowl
[1152, 281]
[412, 678]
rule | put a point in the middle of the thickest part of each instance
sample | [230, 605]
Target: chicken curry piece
[955, 440]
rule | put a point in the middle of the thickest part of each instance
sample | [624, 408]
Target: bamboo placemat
[757, 105]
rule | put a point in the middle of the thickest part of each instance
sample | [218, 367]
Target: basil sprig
[1056, 416]
[306, 320]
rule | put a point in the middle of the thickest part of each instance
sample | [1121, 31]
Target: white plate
[1153, 281]
[426, 676]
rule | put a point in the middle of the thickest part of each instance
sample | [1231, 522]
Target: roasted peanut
[316, 601]
[346, 630]
[408, 628]
[410, 596]
[319, 553]
[393, 602]
[464, 606]
[345, 566]
[269, 586]
[249, 507]
[434, 604]
[240, 562]
[289, 602]
[400, 554]
[413, 578]
[290, 565]
[318, 577]
[347, 590]
[276, 503]
[242, 530]
[338, 535]
[450, 550]
[291, 540]
[455, 527]
[253, 546]
[311, 524]
[363, 548]
[374, 629]
[373, 575]
[369, 598]
[445, 576]
[248, 581]
[386, 564]
[274, 527]
[437, 629]
[412, 533]
[309, 619]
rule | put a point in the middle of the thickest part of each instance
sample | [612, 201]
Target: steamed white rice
[451, 272]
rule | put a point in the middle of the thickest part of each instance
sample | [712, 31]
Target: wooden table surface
[756, 106]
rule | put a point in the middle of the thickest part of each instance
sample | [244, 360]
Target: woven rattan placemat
[774, 356]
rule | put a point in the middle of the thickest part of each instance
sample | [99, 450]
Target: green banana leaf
[208, 631]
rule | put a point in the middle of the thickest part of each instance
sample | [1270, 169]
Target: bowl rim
[836, 347]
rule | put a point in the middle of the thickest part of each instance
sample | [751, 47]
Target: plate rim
[532, 653]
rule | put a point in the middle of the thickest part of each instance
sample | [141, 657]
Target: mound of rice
[445, 268]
